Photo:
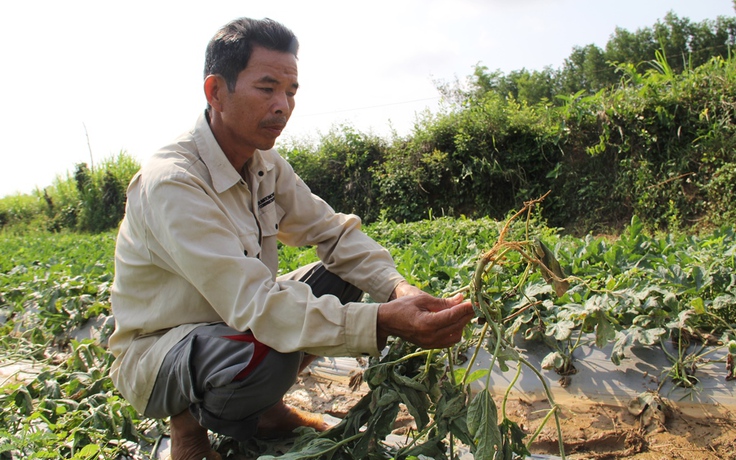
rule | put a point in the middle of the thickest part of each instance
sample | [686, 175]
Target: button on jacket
[198, 245]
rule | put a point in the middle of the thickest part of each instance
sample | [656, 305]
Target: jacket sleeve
[191, 236]
[341, 244]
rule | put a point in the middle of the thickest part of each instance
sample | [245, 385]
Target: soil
[590, 430]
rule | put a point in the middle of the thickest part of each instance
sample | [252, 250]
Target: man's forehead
[269, 63]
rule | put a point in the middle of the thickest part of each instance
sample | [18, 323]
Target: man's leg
[324, 282]
[189, 440]
[225, 378]
[230, 383]
[282, 419]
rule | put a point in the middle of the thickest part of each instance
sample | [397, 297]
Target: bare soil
[590, 430]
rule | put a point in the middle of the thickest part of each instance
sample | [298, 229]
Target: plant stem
[475, 354]
[508, 390]
[552, 410]
[552, 403]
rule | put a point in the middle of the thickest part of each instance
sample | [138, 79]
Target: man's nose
[281, 104]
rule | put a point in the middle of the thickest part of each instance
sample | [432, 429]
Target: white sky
[131, 71]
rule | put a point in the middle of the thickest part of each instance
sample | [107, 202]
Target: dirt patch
[590, 430]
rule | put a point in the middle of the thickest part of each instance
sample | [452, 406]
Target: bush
[21, 211]
[340, 170]
[89, 200]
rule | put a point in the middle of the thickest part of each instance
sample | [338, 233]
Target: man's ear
[214, 90]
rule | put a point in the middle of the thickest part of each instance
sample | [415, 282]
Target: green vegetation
[642, 127]
[89, 201]
[638, 289]
[60, 402]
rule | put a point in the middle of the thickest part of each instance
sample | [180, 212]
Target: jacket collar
[222, 172]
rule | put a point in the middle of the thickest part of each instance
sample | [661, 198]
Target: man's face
[256, 112]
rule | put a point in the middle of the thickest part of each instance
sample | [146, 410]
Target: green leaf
[319, 448]
[376, 375]
[547, 258]
[88, 451]
[611, 257]
[724, 301]
[483, 426]
[513, 439]
[561, 330]
[604, 331]
[475, 375]
[636, 227]
[623, 341]
[405, 381]
[417, 404]
[648, 336]
[458, 374]
[383, 396]
[553, 360]
[431, 448]
[450, 407]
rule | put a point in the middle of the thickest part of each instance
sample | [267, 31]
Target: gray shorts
[225, 377]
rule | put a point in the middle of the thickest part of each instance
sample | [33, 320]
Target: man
[205, 331]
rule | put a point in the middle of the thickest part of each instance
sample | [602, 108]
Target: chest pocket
[269, 217]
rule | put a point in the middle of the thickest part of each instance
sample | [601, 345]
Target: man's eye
[266, 90]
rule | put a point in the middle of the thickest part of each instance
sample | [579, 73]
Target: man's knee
[233, 409]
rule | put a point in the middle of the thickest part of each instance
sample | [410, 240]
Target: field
[675, 294]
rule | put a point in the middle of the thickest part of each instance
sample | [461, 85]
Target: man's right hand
[424, 320]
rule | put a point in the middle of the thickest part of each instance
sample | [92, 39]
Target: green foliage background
[638, 289]
[643, 126]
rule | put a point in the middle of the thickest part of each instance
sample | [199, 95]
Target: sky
[84, 80]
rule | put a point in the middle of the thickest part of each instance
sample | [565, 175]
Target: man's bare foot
[189, 439]
[281, 420]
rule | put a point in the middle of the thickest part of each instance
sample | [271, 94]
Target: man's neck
[237, 156]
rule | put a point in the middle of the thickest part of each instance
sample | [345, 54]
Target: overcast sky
[101, 76]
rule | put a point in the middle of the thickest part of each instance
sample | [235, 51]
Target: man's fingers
[437, 305]
[425, 320]
[447, 325]
[458, 313]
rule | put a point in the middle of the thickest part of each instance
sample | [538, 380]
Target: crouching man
[206, 332]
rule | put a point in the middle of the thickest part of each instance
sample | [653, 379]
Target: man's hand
[424, 320]
[404, 289]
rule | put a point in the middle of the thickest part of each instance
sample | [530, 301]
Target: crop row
[633, 289]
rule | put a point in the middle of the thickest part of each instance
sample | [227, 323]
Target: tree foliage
[88, 201]
[642, 126]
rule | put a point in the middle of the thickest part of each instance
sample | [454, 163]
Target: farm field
[662, 305]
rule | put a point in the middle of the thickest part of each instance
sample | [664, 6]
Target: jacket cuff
[360, 329]
[381, 291]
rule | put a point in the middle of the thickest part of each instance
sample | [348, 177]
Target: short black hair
[229, 50]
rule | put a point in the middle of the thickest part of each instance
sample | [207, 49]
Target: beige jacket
[198, 245]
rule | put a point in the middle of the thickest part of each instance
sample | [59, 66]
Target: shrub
[340, 169]
[88, 200]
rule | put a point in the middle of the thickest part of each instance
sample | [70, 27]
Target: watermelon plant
[674, 291]
[432, 386]
[634, 290]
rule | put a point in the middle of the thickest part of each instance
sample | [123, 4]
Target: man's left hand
[404, 289]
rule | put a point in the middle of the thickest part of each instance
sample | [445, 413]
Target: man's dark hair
[229, 50]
